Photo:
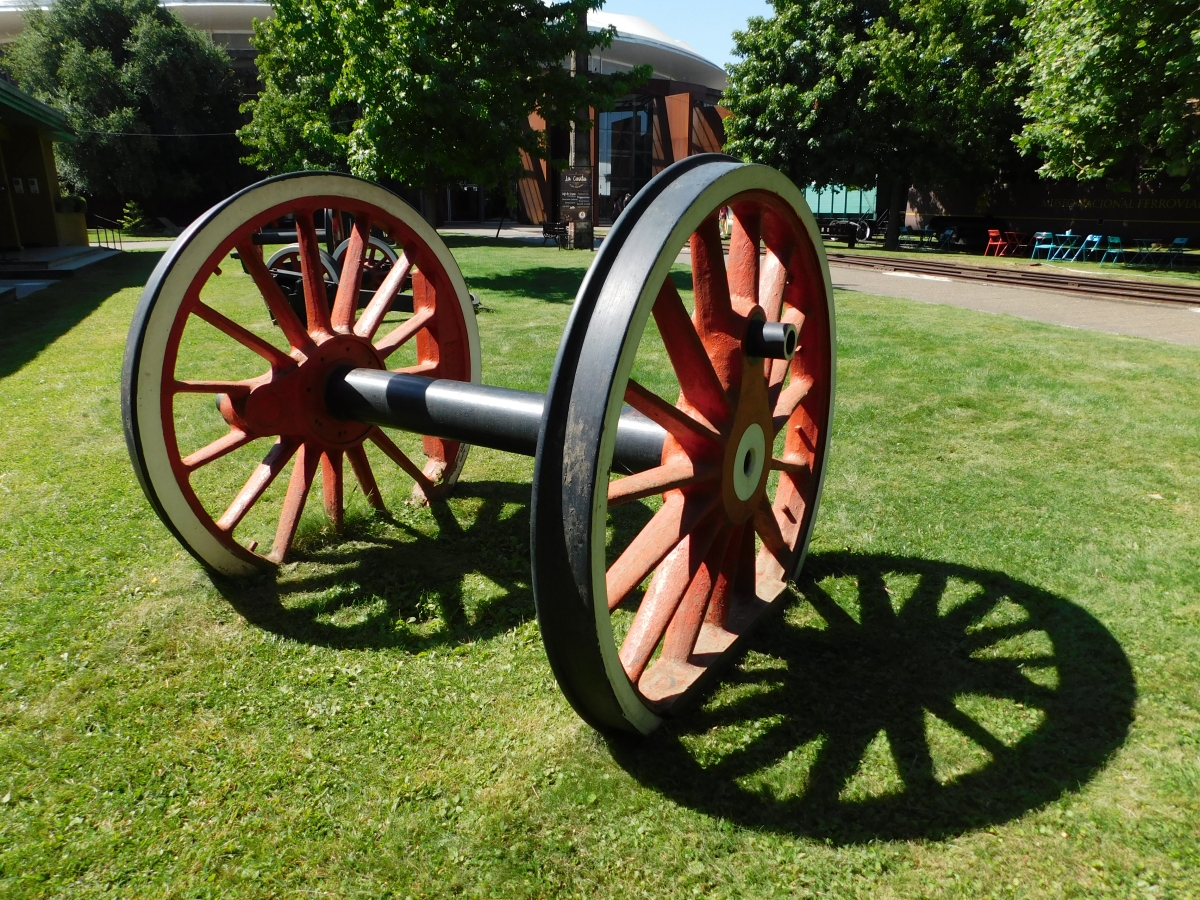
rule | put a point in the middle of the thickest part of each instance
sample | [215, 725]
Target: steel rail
[1068, 282]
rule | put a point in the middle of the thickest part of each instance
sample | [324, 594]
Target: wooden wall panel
[533, 190]
[679, 120]
[708, 130]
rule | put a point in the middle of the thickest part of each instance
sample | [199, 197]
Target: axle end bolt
[770, 340]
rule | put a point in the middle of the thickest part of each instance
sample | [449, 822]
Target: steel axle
[478, 414]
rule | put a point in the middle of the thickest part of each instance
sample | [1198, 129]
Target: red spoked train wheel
[636, 609]
[205, 330]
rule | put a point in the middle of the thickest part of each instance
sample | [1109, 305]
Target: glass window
[626, 142]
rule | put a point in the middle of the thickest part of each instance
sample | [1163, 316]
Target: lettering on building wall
[1122, 203]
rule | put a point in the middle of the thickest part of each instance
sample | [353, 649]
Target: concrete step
[32, 264]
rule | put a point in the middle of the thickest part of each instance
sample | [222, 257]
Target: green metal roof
[19, 108]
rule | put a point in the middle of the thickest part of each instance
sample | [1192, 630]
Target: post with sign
[576, 204]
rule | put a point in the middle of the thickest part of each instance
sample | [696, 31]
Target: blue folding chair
[1175, 251]
[1043, 240]
[1114, 250]
[1090, 245]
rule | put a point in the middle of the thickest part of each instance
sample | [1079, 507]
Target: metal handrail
[106, 236]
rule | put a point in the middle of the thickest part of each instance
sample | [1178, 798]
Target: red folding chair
[995, 241]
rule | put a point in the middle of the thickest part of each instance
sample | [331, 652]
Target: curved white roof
[637, 42]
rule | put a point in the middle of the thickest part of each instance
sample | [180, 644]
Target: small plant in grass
[133, 219]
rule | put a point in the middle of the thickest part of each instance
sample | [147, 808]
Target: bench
[554, 231]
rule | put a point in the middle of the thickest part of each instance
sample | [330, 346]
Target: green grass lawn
[987, 685]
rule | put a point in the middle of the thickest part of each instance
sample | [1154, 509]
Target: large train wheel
[218, 401]
[638, 602]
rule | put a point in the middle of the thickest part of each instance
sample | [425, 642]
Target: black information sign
[575, 188]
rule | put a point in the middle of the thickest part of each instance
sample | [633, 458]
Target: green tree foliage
[124, 71]
[1113, 88]
[422, 93]
[888, 92]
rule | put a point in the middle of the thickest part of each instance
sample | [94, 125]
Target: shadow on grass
[34, 323]
[366, 588]
[780, 745]
[549, 283]
[476, 240]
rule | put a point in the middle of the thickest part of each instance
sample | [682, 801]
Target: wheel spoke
[767, 528]
[272, 464]
[332, 487]
[371, 318]
[790, 399]
[697, 377]
[743, 257]
[723, 588]
[285, 316]
[675, 520]
[218, 448]
[422, 368]
[677, 423]
[232, 388]
[772, 279]
[304, 469]
[248, 339]
[345, 304]
[316, 300]
[659, 480]
[714, 310]
[366, 478]
[678, 576]
[396, 455]
[403, 332]
[680, 638]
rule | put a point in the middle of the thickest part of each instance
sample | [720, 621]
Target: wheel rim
[283, 407]
[733, 525]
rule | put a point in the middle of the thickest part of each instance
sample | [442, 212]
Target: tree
[129, 76]
[878, 92]
[1114, 88]
[426, 94]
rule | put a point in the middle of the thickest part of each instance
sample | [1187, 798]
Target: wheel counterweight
[636, 613]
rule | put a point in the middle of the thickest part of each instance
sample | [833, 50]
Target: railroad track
[1047, 279]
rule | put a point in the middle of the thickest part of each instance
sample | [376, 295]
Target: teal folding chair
[1175, 251]
[1090, 245]
[1114, 250]
[1043, 240]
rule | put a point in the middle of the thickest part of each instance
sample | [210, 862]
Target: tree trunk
[897, 203]
[429, 204]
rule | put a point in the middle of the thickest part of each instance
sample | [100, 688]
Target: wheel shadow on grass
[370, 590]
[899, 698]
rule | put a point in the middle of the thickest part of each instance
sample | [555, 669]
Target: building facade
[675, 115]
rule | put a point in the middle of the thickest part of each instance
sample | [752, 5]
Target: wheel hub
[747, 454]
[292, 403]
